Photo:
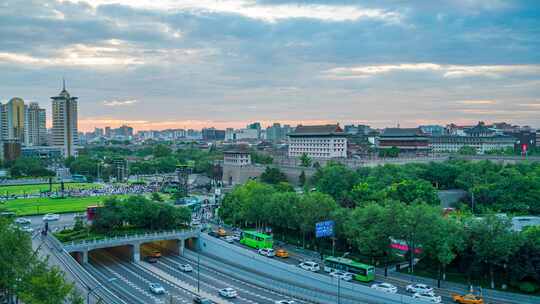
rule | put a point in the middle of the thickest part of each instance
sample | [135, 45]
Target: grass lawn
[34, 206]
[37, 188]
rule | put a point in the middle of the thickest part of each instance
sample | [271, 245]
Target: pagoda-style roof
[403, 132]
[318, 130]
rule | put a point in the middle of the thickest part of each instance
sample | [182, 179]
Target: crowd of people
[106, 189]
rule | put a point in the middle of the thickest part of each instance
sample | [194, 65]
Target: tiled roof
[237, 149]
[317, 130]
[402, 132]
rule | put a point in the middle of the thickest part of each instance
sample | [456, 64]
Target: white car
[341, 275]
[427, 297]
[185, 268]
[229, 239]
[156, 288]
[311, 266]
[284, 302]
[27, 229]
[51, 217]
[228, 293]
[385, 287]
[269, 252]
[23, 221]
[419, 288]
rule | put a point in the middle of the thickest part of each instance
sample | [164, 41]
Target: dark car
[213, 233]
[201, 300]
[151, 259]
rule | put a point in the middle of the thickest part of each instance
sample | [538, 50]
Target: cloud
[446, 71]
[110, 54]
[119, 103]
[264, 12]
[477, 102]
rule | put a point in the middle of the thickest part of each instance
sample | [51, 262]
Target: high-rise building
[35, 132]
[12, 120]
[64, 122]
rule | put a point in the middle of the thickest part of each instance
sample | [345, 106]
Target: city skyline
[195, 64]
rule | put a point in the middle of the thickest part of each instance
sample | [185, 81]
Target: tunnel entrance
[157, 249]
[112, 255]
[192, 244]
[77, 256]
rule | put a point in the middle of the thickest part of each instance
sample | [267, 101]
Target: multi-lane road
[132, 279]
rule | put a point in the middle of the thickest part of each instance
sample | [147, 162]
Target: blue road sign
[324, 229]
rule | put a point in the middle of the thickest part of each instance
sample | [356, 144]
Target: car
[185, 267]
[311, 266]
[23, 221]
[269, 252]
[427, 297]
[213, 233]
[79, 216]
[51, 217]
[201, 300]
[235, 238]
[284, 302]
[385, 287]
[27, 229]
[341, 275]
[228, 239]
[155, 254]
[156, 288]
[419, 288]
[467, 299]
[151, 259]
[282, 253]
[221, 232]
[228, 293]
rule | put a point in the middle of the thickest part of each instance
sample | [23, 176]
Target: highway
[133, 279]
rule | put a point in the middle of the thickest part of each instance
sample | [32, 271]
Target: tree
[409, 191]
[162, 150]
[314, 207]
[336, 180]
[302, 178]
[446, 241]
[467, 150]
[305, 160]
[414, 225]
[23, 275]
[492, 241]
[156, 197]
[45, 286]
[524, 265]
[29, 166]
[369, 229]
[273, 176]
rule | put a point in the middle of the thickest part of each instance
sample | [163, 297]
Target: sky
[200, 63]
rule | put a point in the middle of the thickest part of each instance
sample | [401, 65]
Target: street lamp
[91, 290]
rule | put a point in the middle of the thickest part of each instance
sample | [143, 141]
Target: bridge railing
[128, 237]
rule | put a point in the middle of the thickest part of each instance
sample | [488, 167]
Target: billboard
[324, 229]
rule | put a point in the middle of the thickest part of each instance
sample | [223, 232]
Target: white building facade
[324, 141]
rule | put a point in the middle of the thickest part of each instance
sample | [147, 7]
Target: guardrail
[79, 273]
[70, 246]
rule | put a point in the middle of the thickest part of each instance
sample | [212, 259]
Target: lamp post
[198, 273]
[91, 290]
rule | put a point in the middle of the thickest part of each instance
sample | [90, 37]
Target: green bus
[256, 239]
[361, 272]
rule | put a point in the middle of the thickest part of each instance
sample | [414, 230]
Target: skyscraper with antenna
[65, 131]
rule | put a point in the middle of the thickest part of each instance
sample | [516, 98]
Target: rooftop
[237, 149]
[402, 132]
[317, 130]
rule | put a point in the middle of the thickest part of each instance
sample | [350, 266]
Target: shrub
[528, 286]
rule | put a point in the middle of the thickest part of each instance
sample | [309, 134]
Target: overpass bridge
[173, 241]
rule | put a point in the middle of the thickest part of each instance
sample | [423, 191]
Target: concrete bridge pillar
[85, 257]
[181, 244]
[136, 252]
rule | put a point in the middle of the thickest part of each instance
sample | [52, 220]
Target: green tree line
[25, 277]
